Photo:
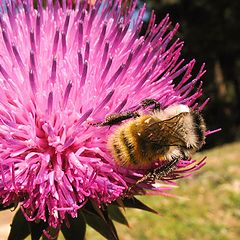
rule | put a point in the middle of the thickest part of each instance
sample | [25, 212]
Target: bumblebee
[167, 135]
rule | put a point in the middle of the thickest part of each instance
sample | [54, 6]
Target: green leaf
[111, 225]
[77, 228]
[19, 227]
[37, 229]
[135, 203]
[93, 207]
[102, 213]
[116, 214]
[104, 227]
[52, 233]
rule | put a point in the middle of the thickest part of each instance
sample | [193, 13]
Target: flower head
[62, 69]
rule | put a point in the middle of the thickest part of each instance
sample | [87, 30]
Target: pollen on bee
[147, 120]
[162, 158]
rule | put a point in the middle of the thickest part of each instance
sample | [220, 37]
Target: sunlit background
[208, 203]
[210, 30]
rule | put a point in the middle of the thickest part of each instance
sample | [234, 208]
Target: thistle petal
[62, 68]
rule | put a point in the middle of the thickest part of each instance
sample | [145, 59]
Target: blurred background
[211, 32]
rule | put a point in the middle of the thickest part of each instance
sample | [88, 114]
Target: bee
[167, 135]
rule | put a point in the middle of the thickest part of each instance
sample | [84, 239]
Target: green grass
[207, 206]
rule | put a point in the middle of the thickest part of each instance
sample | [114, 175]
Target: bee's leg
[164, 170]
[116, 118]
[150, 101]
[160, 172]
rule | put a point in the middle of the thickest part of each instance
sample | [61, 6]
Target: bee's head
[193, 128]
[199, 128]
[189, 126]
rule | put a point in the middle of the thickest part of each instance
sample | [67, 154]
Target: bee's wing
[169, 132]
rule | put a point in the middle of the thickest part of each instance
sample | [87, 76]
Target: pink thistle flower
[63, 68]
